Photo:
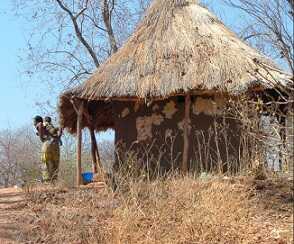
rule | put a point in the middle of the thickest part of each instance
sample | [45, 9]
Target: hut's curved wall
[153, 133]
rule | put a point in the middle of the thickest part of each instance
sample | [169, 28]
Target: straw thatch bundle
[179, 46]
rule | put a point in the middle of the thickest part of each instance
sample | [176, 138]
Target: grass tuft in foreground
[171, 210]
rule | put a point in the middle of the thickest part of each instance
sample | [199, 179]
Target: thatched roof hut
[178, 47]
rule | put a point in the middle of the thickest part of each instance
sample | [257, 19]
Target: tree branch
[106, 13]
[78, 31]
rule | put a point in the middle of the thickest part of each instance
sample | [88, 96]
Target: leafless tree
[70, 38]
[7, 159]
[271, 24]
[19, 155]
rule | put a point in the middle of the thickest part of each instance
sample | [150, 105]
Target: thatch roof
[100, 112]
[179, 46]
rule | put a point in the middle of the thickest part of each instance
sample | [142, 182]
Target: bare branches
[86, 71]
[273, 24]
[18, 153]
[68, 39]
[78, 30]
[107, 14]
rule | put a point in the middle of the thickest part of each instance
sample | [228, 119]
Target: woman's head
[37, 119]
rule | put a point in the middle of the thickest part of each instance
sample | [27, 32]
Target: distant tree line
[20, 157]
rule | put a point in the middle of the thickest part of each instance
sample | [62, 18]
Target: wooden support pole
[94, 151]
[187, 130]
[79, 144]
[99, 165]
[96, 163]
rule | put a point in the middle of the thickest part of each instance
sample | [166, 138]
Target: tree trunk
[106, 13]
[78, 32]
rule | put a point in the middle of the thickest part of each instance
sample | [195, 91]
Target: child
[51, 130]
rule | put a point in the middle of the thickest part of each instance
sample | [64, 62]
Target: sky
[18, 96]
[16, 106]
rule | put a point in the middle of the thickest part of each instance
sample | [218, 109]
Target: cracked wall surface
[125, 112]
[144, 126]
[161, 111]
[161, 123]
[208, 106]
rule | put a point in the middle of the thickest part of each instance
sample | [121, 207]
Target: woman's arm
[41, 132]
[60, 132]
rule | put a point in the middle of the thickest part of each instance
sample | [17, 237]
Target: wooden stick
[73, 102]
[94, 151]
[99, 165]
[79, 144]
[186, 133]
[96, 163]
[161, 98]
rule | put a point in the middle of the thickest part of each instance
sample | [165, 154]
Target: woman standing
[50, 138]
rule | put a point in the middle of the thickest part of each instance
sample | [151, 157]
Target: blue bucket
[87, 177]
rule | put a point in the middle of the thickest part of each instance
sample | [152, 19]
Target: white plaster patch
[202, 105]
[181, 125]
[220, 103]
[208, 106]
[155, 107]
[168, 133]
[144, 126]
[156, 119]
[170, 109]
[125, 112]
[136, 107]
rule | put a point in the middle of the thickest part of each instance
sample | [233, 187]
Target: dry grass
[180, 46]
[173, 210]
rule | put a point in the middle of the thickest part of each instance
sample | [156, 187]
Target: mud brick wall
[154, 133]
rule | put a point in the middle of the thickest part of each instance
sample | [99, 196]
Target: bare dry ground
[12, 207]
[174, 210]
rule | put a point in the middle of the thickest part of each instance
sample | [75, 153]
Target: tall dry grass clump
[175, 209]
[183, 210]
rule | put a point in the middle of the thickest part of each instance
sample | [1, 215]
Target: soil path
[11, 208]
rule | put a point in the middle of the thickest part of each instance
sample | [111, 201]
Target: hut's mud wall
[153, 134]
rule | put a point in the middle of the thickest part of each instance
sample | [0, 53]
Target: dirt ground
[12, 207]
[23, 213]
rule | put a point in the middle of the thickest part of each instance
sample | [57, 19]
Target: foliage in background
[20, 157]
[69, 39]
